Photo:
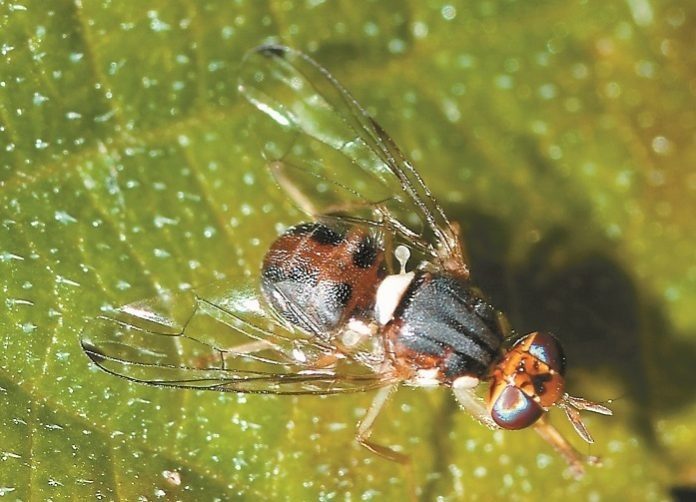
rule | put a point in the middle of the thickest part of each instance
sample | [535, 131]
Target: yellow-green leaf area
[559, 135]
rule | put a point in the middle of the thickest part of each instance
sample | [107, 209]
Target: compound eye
[547, 349]
[513, 409]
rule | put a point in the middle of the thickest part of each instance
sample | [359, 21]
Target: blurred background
[560, 135]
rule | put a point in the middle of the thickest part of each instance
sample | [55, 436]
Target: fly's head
[529, 380]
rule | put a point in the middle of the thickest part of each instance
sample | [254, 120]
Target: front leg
[576, 460]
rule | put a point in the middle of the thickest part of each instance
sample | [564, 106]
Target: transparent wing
[224, 338]
[335, 156]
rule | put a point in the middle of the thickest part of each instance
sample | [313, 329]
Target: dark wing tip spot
[96, 355]
[278, 51]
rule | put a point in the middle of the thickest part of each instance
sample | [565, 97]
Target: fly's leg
[220, 356]
[365, 431]
[279, 170]
[368, 421]
[252, 348]
[573, 457]
[456, 260]
[463, 389]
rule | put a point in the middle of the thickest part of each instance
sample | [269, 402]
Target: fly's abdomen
[317, 277]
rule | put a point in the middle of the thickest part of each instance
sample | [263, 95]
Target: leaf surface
[559, 135]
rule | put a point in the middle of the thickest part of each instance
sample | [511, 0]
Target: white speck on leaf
[64, 218]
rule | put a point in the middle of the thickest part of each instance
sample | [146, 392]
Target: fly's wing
[335, 156]
[222, 338]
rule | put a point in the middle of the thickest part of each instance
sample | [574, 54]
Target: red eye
[547, 349]
[513, 409]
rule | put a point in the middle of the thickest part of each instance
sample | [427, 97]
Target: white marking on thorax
[355, 332]
[427, 378]
[465, 382]
[361, 327]
[389, 295]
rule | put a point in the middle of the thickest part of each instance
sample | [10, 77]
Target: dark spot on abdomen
[366, 253]
[341, 293]
[321, 234]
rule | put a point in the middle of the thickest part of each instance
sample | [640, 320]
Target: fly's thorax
[441, 322]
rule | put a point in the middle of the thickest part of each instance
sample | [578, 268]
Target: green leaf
[559, 135]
